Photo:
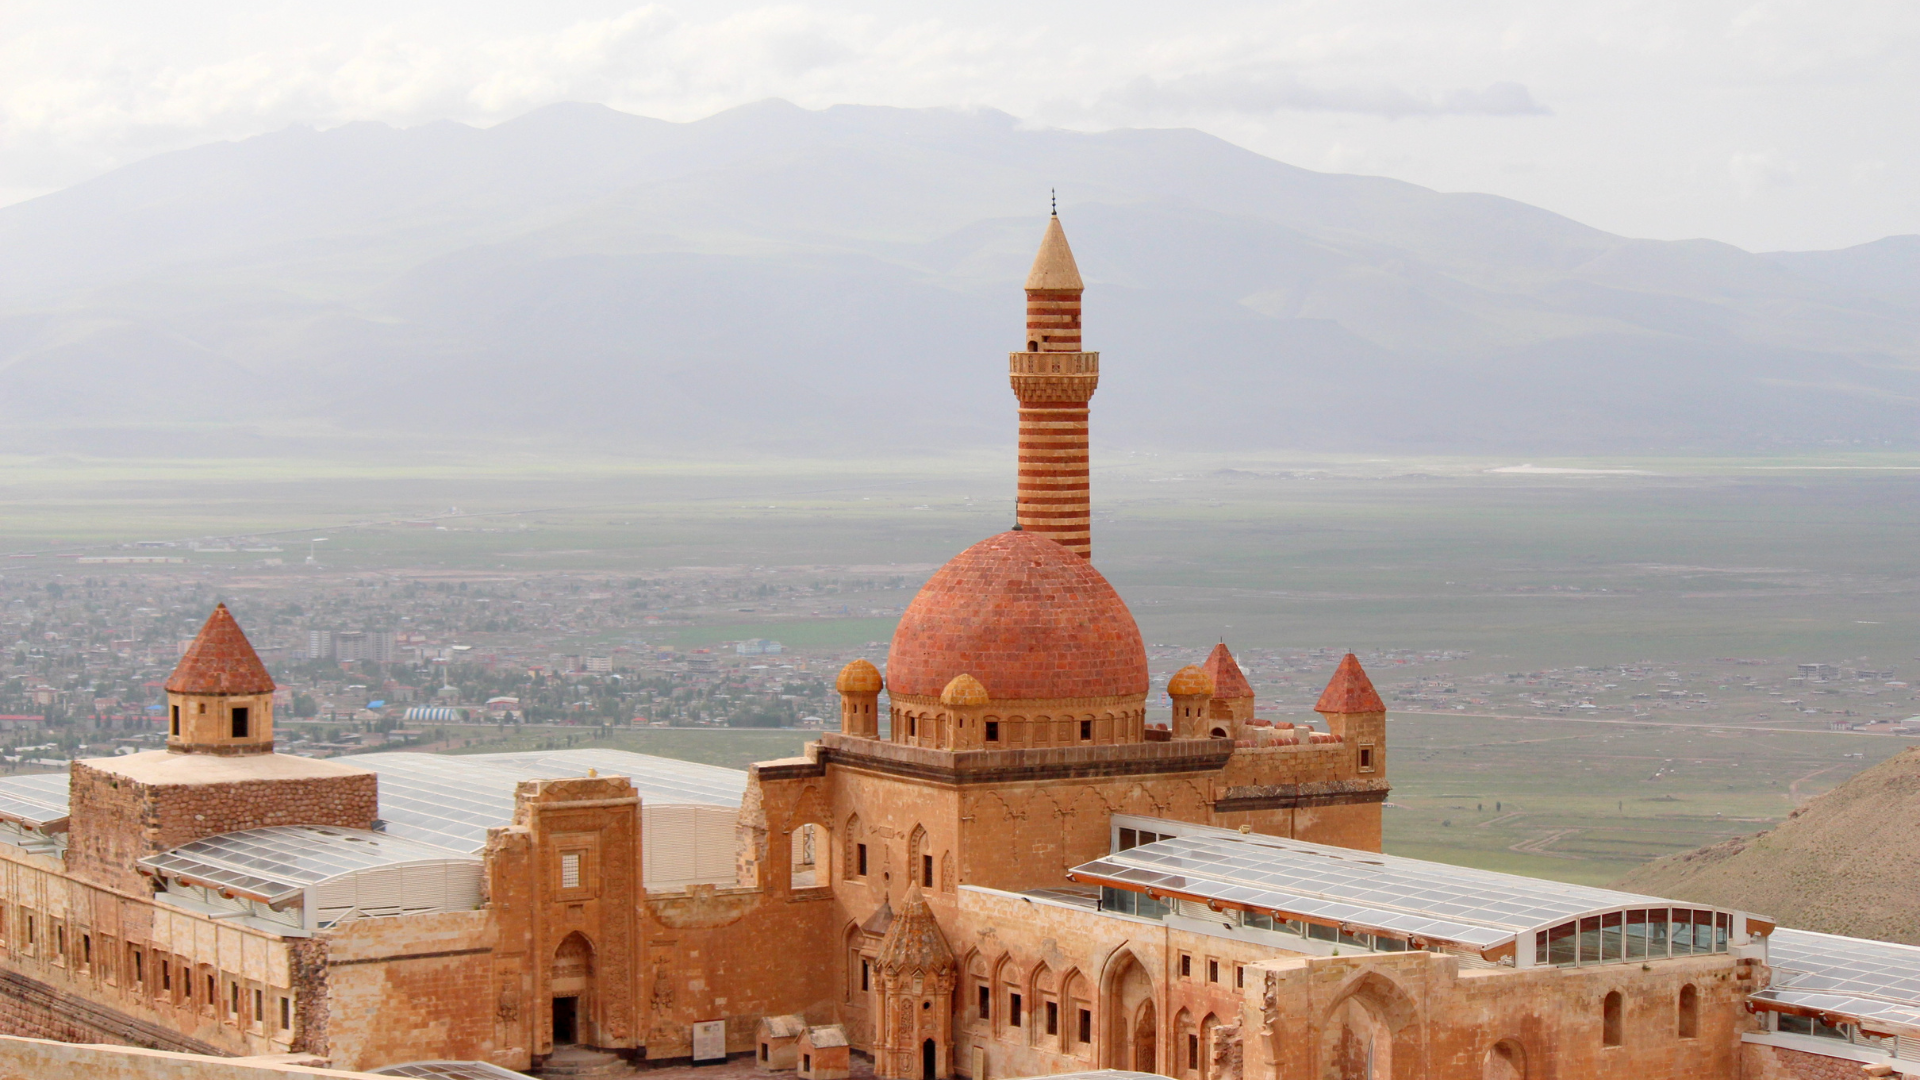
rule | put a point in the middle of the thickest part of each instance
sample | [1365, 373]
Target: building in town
[1008, 861]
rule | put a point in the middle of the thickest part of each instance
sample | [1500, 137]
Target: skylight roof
[452, 800]
[1406, 897]
[276, 863]
[34, 801]
[1867, 980]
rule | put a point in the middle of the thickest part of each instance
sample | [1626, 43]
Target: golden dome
[964, 690]
[1190, 681]
[859, 677]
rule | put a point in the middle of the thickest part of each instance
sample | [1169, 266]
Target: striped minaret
[1054, 379]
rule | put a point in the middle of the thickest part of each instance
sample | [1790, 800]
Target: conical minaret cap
[220, 661]
[1350, 691]
[1053, 267]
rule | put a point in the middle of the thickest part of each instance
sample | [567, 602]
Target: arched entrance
[1370, 1033]
[1144, 1051]
[571, 986]
[1129, 1023]
[1505, 1061]
[929, 1060]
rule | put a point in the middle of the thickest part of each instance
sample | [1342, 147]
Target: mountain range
[844, 281]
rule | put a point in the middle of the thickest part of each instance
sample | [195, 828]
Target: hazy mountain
[848, 280]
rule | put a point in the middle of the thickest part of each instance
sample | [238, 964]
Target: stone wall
[36, 1059]
[418, 986]
[116, 820]
[94, 963]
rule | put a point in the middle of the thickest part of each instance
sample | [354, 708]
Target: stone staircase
[580, 1063]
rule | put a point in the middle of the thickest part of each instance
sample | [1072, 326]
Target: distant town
[369, 660]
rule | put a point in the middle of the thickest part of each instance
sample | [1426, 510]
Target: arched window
[1689, 1012]
[853, 863]
[1611, 1033]
[1033, 346]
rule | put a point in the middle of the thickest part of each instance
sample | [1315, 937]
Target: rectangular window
[86, 950]
[166, 976]
[860, 859]
[986, 1003]
[1013, 1010]
[259, 1006]
[1053, 1018]
[806, 1062]
[1129, 839]
[139, 962]
[1186, 966]
[1590, 939]
[1610, 936]
[240, 722]
[1193, 1052]
[213, 993]
[1366, 759]
[993, 731]
[926, 871]
[176, 719]
[233, 1004]
[286, 1014]
[866, 975]
[913, 726]
[1086, 730]
[570, 870]
[1239, 977]
[1560, 944]
[31, 938]
[1086, 1025]
[1213, 971]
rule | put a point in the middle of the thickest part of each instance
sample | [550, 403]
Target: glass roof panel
[1871, 980]
[34, 800]
[273, 863]
[453, 799]
[1385, 892]
[450, 1070]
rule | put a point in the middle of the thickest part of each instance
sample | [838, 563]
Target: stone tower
[1054, 379]
[1354, 712]
[220, 697]
[218, 774]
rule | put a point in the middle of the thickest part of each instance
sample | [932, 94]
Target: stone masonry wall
[115, 820]
[35, 1059]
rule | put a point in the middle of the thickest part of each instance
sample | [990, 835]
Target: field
[1587, 668]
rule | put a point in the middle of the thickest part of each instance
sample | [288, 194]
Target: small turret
[1232, 703]
[1355, 713]
[859, 686]
[220, 697]
[1191, 688]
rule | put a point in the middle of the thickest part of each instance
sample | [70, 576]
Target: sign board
[709, 1042]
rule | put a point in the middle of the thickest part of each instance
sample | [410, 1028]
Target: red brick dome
[1025, 616]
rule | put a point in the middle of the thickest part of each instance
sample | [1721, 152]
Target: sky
[1781, 124]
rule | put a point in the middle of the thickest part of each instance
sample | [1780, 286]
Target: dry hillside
[1845, 863]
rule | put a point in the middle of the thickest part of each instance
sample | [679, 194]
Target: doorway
[566, 1017]
[927, 1054]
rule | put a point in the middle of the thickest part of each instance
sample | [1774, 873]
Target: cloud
[1270, 90]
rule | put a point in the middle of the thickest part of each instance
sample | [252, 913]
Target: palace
[1011, 860]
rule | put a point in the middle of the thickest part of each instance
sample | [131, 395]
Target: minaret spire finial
[1053, 195]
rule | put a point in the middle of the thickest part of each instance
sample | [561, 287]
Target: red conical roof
[220, 661]
[1350, 691]
[1228, 680]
